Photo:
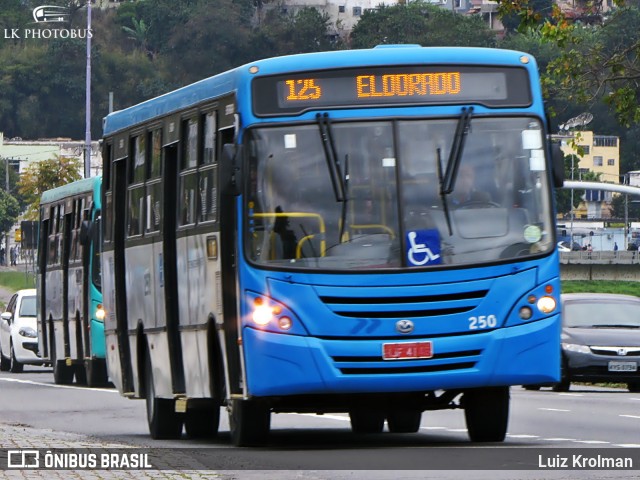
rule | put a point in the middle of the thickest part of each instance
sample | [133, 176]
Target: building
[599, 154]
[19, 153]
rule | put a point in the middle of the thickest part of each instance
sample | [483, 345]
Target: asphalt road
[38, 414]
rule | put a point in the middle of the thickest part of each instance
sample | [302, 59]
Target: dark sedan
[600, 339]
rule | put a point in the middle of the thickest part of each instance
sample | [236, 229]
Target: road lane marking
[72, 387]
[594, 442]
[554, 409]
[627, 445]
[560, 439]
[630, 416]
[571, 394]
[522, 436]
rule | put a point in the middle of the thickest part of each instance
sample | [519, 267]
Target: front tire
[164, 422]
[96, 373]
[16, 366]
[407, 421]
[366, 421]
[62, 373]
[5, 363]
[486, 412]
[249, 423]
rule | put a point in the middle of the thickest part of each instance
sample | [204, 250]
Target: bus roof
[91, 184]
[227, 82]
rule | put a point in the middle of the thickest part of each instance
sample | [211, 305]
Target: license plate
[623, 367]
[409, 350]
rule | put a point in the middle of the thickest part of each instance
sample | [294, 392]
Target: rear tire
[486, 412]
[407, 421]
[62, 373]
[16, 366]
[367, 421]
[164, 422]
[249, 423]
[202, 422]
[96, 373]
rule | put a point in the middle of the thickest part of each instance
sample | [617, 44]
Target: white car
[19, 332]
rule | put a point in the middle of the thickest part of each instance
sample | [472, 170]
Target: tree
[421, 23]
[9, 211]
[41, 176]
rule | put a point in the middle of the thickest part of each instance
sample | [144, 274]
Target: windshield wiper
[448, 183]
[443, 196]
[339, 179]
[333, 164]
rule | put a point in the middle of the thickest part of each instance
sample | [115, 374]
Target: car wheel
[16, 366]
[5, 363]
[634, 387]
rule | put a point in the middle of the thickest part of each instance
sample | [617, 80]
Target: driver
[465, 191]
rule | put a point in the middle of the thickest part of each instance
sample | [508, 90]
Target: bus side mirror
[557, 165]
[231, 171]
[85, 233]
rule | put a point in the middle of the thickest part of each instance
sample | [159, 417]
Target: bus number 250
[482, 321]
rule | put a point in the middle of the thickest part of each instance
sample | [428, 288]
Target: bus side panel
[74, 311]
[139, 267]
[53, 314]
[203, 302]
[110, 325]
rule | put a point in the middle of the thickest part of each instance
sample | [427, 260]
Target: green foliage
[9, 211]
[41, 176]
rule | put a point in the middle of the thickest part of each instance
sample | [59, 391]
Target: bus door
[119, 185]
[43, 236]
[66, 250]
[170, 271]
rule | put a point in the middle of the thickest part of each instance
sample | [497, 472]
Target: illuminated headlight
[546, 304]
[268, 314]
[28, 332]
[572, 347]
[100, 313]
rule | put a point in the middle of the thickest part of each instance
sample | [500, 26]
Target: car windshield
[601, 314]
[374, 195]
[28, 306]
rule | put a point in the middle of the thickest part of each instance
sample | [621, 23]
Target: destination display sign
[402, 85]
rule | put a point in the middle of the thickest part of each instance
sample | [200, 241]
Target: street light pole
[87, 119]
[571, 229]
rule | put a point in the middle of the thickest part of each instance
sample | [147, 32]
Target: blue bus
[69, 290]
[367, 232]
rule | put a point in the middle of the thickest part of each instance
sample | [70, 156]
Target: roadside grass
[15, 281]
[600, 286]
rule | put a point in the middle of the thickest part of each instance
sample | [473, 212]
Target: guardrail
[600, 257]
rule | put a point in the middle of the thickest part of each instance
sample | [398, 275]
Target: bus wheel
[202, 422]
[366, 421]
[62, 373]
[249, 423]
[96, 373]
[486, 411]
[407, 421]
[164, 422]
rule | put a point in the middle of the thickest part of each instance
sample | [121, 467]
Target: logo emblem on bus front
[404, 326]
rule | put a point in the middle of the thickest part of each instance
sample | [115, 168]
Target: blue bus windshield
[498, 209]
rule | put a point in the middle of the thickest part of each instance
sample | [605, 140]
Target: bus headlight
[267, 314]
[100, 313]
[546, 304]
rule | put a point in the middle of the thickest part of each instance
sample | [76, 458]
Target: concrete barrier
[604, 265]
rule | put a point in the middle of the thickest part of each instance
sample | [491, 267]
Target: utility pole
[87, 120]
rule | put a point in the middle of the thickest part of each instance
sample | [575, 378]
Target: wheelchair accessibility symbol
[423, 247]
